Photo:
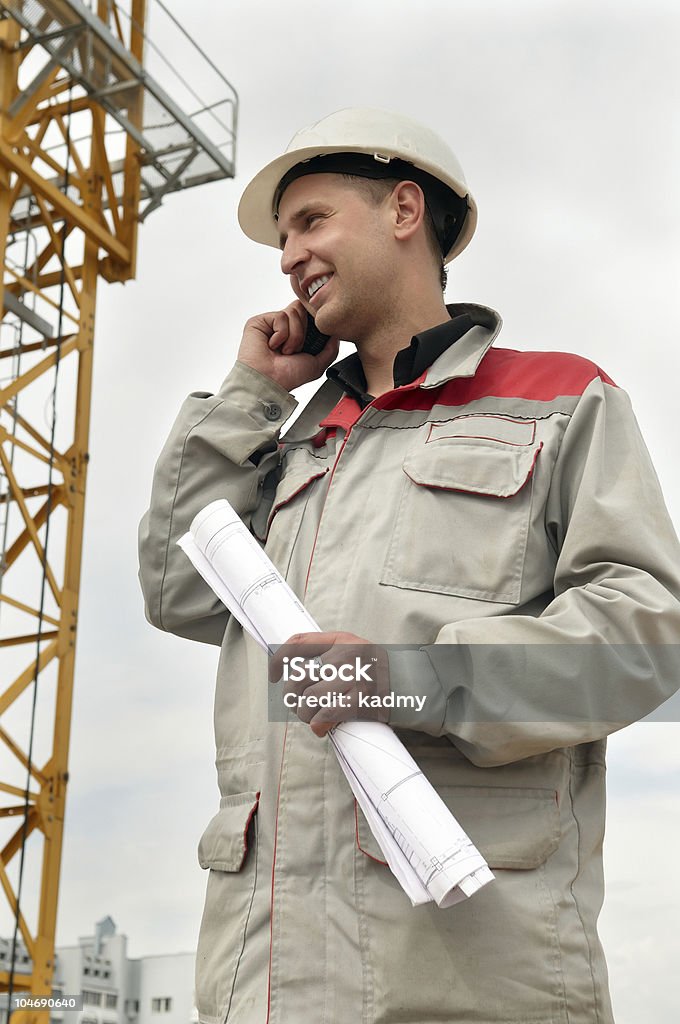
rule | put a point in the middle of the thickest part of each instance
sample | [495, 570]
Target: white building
[115, 989]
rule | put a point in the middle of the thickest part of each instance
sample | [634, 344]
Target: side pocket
[506, 937]
[514, 828]
[228, 849]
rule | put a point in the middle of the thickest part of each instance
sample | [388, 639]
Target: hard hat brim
[256, 208]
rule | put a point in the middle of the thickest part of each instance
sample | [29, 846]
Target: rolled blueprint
[425, 847]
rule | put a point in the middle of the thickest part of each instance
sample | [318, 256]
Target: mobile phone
[314, 341]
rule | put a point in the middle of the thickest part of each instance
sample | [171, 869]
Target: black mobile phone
[314, 341]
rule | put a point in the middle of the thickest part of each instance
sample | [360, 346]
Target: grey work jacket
[502, 517]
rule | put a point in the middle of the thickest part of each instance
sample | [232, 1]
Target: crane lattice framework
[90, 143]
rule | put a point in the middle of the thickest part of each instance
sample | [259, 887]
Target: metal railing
[178, 106]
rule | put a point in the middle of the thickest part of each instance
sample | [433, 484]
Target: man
[495, 512]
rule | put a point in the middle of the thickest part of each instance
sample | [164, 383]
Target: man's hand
[272, 344]
[352, 697]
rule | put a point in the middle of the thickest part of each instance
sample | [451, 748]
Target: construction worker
[495, 512]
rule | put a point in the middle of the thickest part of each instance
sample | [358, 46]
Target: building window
[92, 998]
[163, 1005]
[131, 1007]
[111, 1001]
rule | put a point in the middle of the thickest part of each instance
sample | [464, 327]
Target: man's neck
[378, 351]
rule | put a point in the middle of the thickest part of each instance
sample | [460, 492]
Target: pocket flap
[295, 480]
[224, 844]
[498, 471]
[512, 827]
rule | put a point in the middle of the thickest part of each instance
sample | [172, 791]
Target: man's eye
[312, 217]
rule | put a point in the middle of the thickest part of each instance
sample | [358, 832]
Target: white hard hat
[388, 141]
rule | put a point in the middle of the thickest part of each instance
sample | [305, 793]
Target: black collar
[409, 363]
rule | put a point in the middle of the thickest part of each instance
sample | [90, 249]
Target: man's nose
[293, 255]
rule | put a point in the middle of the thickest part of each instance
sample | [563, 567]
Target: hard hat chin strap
[447, 209]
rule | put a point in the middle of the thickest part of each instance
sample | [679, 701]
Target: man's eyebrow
[297, 216]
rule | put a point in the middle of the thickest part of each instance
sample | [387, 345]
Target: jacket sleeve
[604, 652]
[221, 446]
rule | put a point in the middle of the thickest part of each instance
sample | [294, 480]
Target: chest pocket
[463, 518]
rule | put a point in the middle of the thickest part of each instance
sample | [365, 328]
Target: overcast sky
[564, 116]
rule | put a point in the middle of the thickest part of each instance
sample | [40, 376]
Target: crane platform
[178, 148]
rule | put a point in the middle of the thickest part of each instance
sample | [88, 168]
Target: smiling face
[338, 250]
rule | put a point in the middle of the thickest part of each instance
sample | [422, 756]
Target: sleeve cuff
[268, 403]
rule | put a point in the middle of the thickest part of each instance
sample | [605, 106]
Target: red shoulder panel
[506, 373]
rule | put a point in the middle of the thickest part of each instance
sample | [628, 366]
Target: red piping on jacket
[330, 421]
[347, 414]
[484, 437]
[271, 897]
[318, 525]
[356, 831]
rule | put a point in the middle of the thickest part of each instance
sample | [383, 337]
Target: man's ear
[408, 204]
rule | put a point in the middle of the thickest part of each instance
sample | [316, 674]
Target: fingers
[332, 677]
[341, 694]
[321, 728]
[308, 645]
[288, 329]
[272, 343]
[280, 331]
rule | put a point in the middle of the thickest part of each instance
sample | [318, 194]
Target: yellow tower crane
[91, 140]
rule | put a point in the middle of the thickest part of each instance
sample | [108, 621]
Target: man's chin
[330, 322]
